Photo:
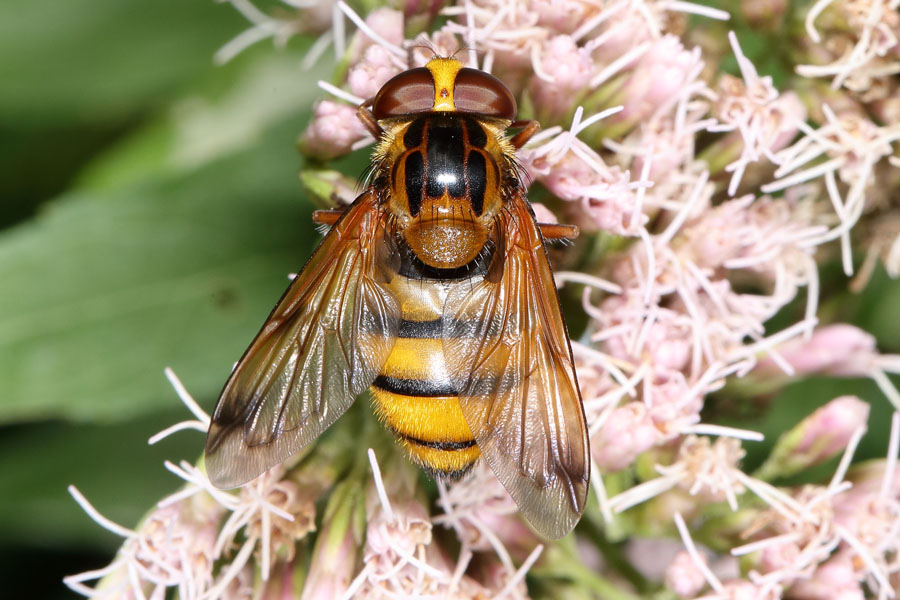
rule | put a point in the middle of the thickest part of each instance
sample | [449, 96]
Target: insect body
[433, 289]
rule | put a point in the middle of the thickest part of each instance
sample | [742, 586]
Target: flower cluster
[708, 197]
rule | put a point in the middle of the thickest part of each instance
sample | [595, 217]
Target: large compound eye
[479, 92]
[409, 92]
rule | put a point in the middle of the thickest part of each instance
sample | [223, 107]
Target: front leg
[364, 114]
[529, 129]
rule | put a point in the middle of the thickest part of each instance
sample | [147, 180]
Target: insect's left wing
[323, 344]
[509, 355]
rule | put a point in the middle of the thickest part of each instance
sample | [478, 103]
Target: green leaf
[106, 288]
[102, 60]
[230, 110]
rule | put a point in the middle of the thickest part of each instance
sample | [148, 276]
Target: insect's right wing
[508, 353]
[323, 344]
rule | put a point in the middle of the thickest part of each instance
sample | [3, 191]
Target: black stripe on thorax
[413, 136]
[438, 445]
[475, 133]
[422, 388]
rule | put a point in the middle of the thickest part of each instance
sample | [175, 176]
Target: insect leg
[557, 231]
[365, 115]
[328, 217]
[529, 129]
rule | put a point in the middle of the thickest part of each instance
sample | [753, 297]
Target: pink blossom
[817, 438]
[384, 22]
[485, 517]
[543, 214]
[753, 108]
[565, 70]
[626, 28]
[626, 433]
[671, 402]
[835, 579]
[667, 147]
[371, 72]
[873, 30]
[604, 197]
[838, 349]
[333, 130]
[657, 80]
[683, 577]
[562, 16]
[828, 430]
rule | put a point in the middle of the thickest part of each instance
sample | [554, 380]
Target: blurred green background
[150, 214]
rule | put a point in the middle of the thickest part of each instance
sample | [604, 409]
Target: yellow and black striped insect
[434, 290]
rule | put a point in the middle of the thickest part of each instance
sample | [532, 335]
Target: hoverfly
[434, 290]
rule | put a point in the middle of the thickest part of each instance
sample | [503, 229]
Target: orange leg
[529, 129]
[365, 115]
[327, 217]
[558, 231]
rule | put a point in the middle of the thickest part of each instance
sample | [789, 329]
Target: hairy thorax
[445, 185]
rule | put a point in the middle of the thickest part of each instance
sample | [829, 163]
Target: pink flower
[626, 433]
[817, 438]
[564, 71]
[627, 28]
[485, 517]
[683, 577]
[753, 108]
[386, 23]
[333, 131]
[371, 72]
[835, 579]
[838, 349]
[562, 16]
[604, 196]
[658, 79]
[828, 430]
[671, 402]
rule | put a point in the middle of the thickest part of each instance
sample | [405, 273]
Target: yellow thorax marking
[444, 71]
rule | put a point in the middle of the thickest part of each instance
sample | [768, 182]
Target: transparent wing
[323, 344]
[509, 355]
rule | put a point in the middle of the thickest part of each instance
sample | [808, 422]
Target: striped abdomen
[413, 394]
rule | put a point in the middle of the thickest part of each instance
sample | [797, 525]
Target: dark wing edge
[321, 346]
[509, 354]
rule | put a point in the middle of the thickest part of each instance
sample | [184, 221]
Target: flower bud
[817, 438]
[657, 78]
[333, 131]
[684, 577]
[570, 68]
[372, 71]
[627, 432]
[384, 21]
[839, 349]
[835, 579]
[562, 16]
